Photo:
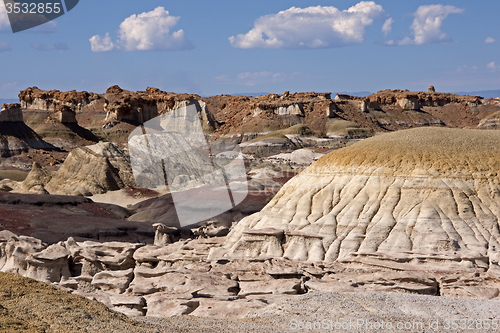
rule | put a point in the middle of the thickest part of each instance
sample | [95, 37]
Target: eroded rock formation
[11, 113]
[34, 98]
[178, 278]
[426, 197]
[92, 170]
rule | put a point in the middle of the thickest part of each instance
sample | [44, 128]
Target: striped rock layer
[427, 196]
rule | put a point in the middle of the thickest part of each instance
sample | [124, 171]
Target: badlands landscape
[382, 208]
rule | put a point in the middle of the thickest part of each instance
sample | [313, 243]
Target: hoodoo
[429, 197]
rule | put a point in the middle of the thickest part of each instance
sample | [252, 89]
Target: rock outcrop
[34, 98]
[92, 170]
[347, 129]
[65, 115]
[179, 279]
[141, 106]
[492, 122]
[418, 198]
[35, 181]
[285, 110]
[411, 99]
[11, 113]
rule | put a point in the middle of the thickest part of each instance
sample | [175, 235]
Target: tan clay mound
[30, 306]
[426, 197]
[432, 151]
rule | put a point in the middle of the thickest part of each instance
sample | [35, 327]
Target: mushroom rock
[162, 232]
[428, 197]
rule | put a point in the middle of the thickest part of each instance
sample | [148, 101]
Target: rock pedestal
[65, 115]
[163, 234]
[11, 112]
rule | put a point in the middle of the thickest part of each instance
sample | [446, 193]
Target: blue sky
[225, 47]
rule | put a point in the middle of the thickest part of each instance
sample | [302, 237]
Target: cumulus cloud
[101, 44]
[311, 27]
[490, 40]
[62, 46]
[387, 27]
[427, 25]
[145, 32]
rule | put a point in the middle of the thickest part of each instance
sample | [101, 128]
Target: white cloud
[387, 27]
[492, 66]
[100, 44]
[427, 25]
[252, 79]
[4, 19]
[311, 27]
[145, 32]
[4, 23]
[490, 40]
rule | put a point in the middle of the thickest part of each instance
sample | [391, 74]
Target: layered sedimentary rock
[52, 218]
[65, 115]
[92, 170]
[35, 181]
[34, 98]
[141, 106]
[426, 197]
[285, 110]
[409, 100]
[173, 279]
[490, 122]
[11, 113]
[347, 129]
